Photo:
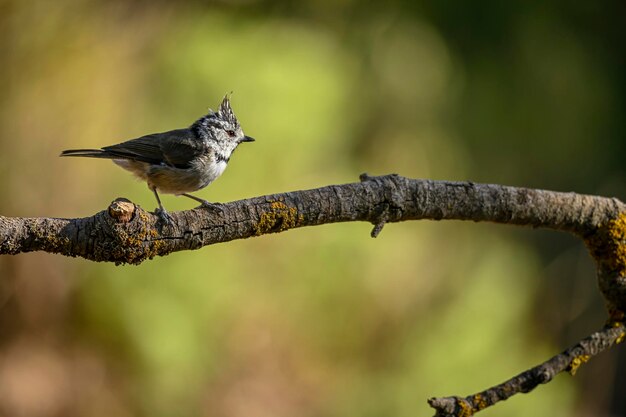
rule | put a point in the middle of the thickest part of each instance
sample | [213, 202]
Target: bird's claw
[212, 206]
[164, 216]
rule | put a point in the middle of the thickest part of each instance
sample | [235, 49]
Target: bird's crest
[221, 120]
[226, 112]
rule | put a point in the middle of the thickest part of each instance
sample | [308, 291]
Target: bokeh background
[322, 321]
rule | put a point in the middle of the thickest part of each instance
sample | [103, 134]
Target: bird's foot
[205, 204]
[164, 216]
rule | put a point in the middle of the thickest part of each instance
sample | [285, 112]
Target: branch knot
[392, 210]
[121, 210]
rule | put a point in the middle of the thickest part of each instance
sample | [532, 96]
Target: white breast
[204, 171]
[217, 170]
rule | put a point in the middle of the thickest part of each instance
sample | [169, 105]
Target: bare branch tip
[365, 177]
[451, 407]
[378, 227]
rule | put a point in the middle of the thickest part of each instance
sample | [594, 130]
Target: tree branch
[569, 360]
[125, 233]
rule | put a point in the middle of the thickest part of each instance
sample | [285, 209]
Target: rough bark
[125, 233]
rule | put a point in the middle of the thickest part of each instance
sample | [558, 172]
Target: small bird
[178, 161]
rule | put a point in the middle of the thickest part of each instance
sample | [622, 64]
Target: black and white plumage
[178, 161]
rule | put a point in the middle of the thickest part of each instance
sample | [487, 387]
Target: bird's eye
[230, 133]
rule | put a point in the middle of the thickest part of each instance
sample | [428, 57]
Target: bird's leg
[205, 204]
[161, 212]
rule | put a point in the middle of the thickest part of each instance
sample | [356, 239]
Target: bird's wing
[176, 148]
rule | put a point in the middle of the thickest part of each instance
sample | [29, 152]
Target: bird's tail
[90, 153]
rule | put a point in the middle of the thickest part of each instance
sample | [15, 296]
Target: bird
[178, 161]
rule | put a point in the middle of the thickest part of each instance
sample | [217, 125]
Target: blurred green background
[322, 321]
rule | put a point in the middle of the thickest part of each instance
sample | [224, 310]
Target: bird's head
[222, 128]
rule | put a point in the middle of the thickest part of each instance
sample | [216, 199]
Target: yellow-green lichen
[52, 242]
[281, 217]
[479, 402]
[617, 235]
[617, 320]
[576, 362]
[465, 408]
[608, 244]
[140, 245]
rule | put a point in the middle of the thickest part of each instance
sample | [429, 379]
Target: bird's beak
[247, 139]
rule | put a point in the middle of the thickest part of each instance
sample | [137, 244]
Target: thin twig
[569, 360]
